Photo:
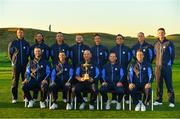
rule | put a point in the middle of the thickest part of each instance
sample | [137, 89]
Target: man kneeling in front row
[113, 81]
[87, 75]
[61, 81]
[140, 80]
[37, 74]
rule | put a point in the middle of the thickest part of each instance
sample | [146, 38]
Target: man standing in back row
[18, 51]
[164, 51]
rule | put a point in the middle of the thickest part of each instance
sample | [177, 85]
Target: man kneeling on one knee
[37, 74]
[113, 81]
[61, 81]
[140, 80]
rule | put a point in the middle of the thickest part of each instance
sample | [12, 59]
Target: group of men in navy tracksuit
[111, 67]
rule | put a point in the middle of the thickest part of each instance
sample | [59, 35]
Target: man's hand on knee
[148, 86]
[25, 82]
[119, 84]
[104, 83]
[131, 86]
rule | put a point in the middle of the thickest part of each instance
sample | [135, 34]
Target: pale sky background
[127, 17]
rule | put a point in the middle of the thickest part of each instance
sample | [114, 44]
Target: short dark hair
[120, 35]
[21, 29]
[139, 50]
[62, 52]
[162, 29]
[59, 33]
[97, 35]
[112, 53]
[37, 47]
[79, 34]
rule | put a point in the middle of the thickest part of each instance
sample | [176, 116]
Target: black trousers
[164, 73]
[66, 91]
[35, 86]
[86, 87]
[17, 71]
[118, 91]
[137, 92]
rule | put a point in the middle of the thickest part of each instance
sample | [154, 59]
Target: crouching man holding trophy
[87, 75]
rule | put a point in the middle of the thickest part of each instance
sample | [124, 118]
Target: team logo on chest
[41, 66]
[24, 47]
[124, 52]
[100, 53]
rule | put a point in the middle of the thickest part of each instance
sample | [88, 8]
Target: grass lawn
[8, 110]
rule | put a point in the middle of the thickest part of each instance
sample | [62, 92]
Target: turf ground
[8, 110]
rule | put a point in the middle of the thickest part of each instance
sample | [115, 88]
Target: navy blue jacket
[123, 54]
[147, 50]
[62, 72]
[44, 48]
[19, 52]
[76, 53]
[140, 73]
[164, 52]
[93, 71]
[99, 55]
[112, 73]
[55, 49]
[38, 70]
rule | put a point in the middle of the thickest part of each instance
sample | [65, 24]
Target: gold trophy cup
[86, 74]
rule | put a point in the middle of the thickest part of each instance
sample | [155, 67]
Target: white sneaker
[118, 106]
[85, 99]
[54, 106]
[42, 105]
[25, 100]
[34, 100]
[143, 107]
[171, 105]
[64, 100]
[127, 101]
[157, 103]
[113, 101]
[68, 106]
[14, 101]
[108, 105]
[138, 106]
[91, 107]
[82, 106]
[31, 104]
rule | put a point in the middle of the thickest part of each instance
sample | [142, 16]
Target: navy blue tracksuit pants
[164, 73]
[35, 86]
[112, 89]
[137, 92]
